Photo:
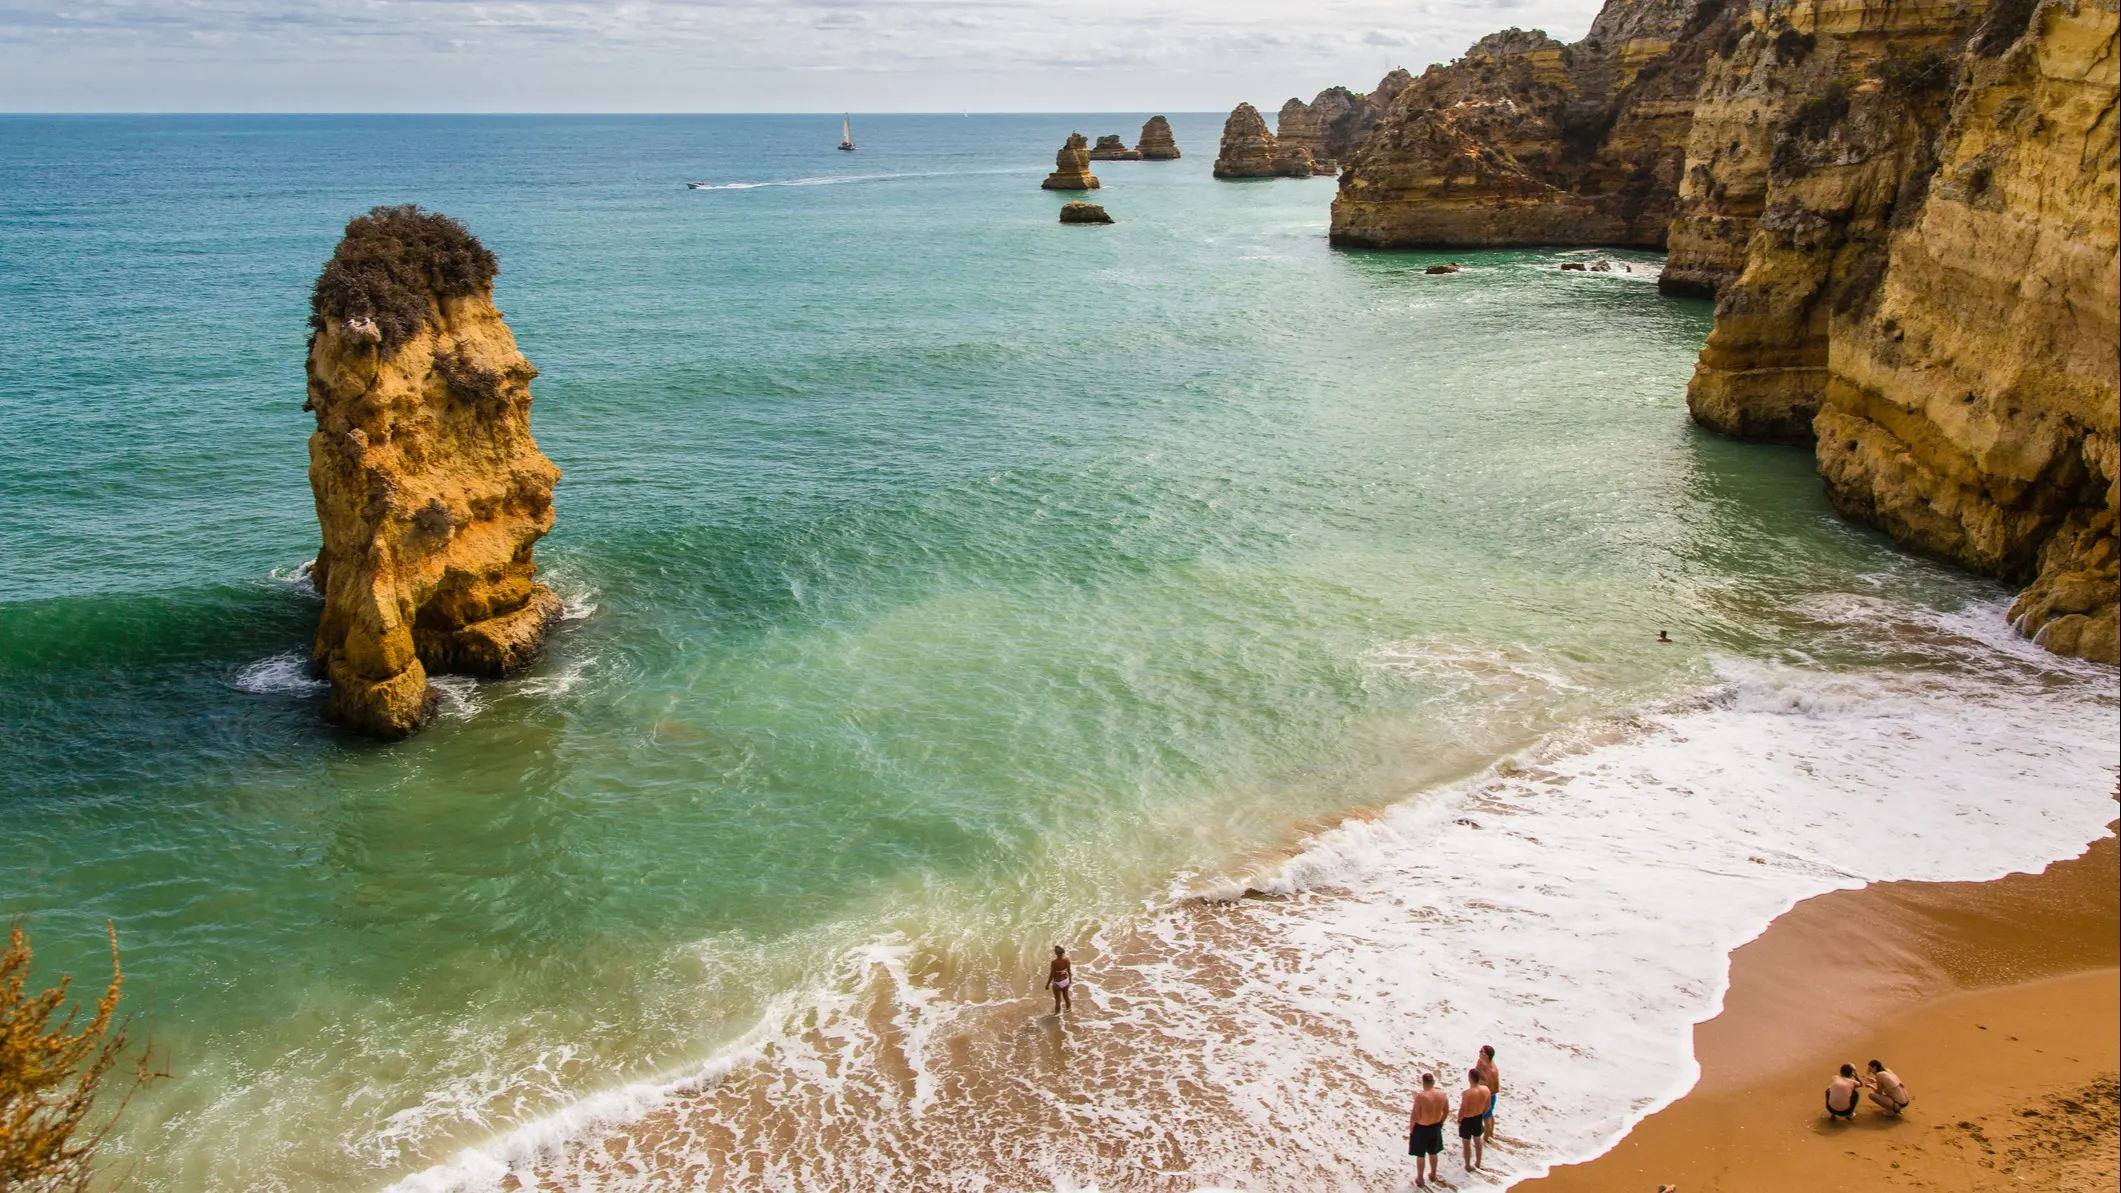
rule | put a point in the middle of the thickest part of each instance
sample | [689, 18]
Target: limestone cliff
[1156, 144]
[1248, 149]
[1526, 141]
[1972, 404]
[429, 489]
[1110, 148]
[1811, 135]
[1071, 167]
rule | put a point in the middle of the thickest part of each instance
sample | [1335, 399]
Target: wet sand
[1998, 1004]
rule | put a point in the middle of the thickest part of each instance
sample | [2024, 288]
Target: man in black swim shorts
[1425, 1129]
[1473, 1105]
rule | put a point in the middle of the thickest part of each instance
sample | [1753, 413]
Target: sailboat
[846, 135]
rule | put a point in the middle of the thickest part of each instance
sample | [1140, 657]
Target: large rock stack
[1248, 149]
[430, 491]
[1071, 167]
[1156, 144]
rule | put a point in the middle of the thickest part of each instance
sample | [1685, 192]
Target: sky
[725, 55]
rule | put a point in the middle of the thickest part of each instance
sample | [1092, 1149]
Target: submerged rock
[1110, 148]
[1450, 267]
[430, 491]
[1574, 266]
[1071, 167]
[1248, 149]
[1156, 144]
[1079, 212]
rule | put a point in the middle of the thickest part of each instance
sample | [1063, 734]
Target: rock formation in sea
[1156, 144]
[1110, 148]
[1525, 141]
[1079, 212]
[1071, 167]
[429, 489]
[1247, 147]
[1906, 214]
[1300, 140]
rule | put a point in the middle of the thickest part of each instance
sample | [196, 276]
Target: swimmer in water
[1059, 976]
[1663, 637]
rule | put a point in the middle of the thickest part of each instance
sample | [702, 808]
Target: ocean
[1273, 625]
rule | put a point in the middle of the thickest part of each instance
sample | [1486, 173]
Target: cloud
[665, 55]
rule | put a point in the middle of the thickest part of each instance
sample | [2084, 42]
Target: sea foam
[1574, 906]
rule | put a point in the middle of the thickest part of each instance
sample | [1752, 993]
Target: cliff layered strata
[1156, 144]
[1248, 149]
[1812, 137]
[430, 492]
[1071, 167]
[1972, 406]
[1525, 141]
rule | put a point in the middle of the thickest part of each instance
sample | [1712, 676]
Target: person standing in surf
[1425, 1130]
[1059, 976]
[1473, 1103]
[1491, 1077]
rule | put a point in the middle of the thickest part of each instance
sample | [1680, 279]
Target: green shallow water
[937, 571]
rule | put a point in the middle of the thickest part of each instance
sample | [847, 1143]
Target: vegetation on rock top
[391, 264]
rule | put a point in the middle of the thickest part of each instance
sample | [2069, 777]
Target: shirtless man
[1491, 1077]
[1425, 1129]
[1841, 1094]
[1473, 1103]
[1059, 976]
[1886, 1090]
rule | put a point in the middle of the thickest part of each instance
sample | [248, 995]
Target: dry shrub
[52, 1068]
[391, 264]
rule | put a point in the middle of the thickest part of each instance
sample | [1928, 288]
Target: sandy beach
[1996, 1002]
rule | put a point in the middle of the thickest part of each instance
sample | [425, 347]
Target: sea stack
[1110, 148]
[1078, 212]
[1156, 144]
[1247, 148]
[1071, 167]
[1300, 140]
[429, 489]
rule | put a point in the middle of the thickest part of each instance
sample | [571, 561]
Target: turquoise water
[935, 570]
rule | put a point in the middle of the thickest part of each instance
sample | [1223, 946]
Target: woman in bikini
[1059, 976]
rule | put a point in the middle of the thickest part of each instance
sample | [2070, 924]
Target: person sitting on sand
[1886, 1089]
[1059, 976]
[1841, 1094]
[1425, 1129]
[1473, 1105]
[1491, 1077]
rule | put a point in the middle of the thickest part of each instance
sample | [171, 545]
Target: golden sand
[1998, 1003]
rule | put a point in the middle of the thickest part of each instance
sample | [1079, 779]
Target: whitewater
[1574, 905]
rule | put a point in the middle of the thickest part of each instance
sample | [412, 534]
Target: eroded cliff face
[1973, 398]
[1526, 141]
[1811, 138]
[430, 491]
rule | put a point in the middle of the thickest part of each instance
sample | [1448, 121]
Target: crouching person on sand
[1842, 1092]
[1887, 1092]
